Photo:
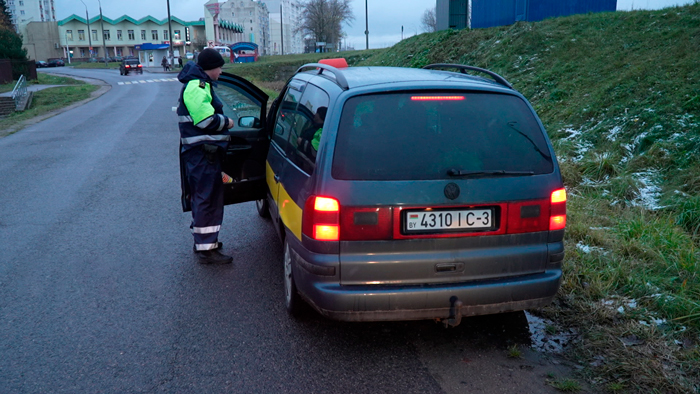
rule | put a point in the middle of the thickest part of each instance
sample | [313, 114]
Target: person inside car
[311, 136]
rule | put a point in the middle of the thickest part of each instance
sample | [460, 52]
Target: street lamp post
[87, 18]
[170, 35]
[102, 24]
[366, 27]
[67, 48]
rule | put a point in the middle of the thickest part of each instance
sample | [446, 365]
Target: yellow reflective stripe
[290, 213]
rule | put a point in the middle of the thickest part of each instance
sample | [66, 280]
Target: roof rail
[463, 69]
[339, 77]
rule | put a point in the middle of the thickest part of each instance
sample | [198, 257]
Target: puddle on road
[546, 337]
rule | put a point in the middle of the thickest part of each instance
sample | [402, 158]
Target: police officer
[203, 141]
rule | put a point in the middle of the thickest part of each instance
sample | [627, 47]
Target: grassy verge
[619, 96]
[47, 100]
[112, 65]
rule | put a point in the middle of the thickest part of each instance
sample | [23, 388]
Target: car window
[237, 102]
[308, 127]
[284, 122]
[414, 136]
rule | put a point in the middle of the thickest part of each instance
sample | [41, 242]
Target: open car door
[244, 163]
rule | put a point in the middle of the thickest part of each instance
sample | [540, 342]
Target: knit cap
[210, 59]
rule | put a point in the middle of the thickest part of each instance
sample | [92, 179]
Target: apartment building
[242, 20]
[25, 11]
[285, 16]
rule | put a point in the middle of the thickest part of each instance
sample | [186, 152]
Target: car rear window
[420, 136]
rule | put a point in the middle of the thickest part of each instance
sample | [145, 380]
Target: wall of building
[122, 35]
[291, 17]
[26, 11]
[251, 16]
[41, 40]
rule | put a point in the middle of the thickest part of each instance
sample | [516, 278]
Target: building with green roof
[125, 36]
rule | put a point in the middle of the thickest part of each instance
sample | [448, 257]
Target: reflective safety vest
[200, 116]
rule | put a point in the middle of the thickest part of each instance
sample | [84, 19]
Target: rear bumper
[367, 303]
[323, 291]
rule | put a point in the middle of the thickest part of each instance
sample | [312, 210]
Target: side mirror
[249, 122]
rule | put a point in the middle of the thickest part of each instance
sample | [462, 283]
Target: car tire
[292, 299]
[263, 208]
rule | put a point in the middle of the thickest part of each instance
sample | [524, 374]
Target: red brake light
[127, 66]
[437, 98]
[558, 196]
[557, 213]
[326, 204]
[557, 222]
[321, 220]
[140, 65]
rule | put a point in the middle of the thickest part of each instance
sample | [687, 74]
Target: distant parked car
[130, 64]
[117, 59]
[41, 64]
[56, 63]
[189, 55]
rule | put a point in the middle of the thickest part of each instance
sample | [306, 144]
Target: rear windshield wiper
[456, 172]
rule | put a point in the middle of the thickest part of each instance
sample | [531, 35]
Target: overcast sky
[386, 17]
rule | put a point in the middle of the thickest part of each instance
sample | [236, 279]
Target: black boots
[213, 257]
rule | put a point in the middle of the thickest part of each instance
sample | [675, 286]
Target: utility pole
[170, 34]
[102, 24]
[366, 27]
[281, 31]
[87, 18]
[67, 48]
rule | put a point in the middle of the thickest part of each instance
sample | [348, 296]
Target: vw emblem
[451, 191]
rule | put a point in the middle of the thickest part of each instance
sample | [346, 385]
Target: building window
[107, 36]
[21, 2]
[131, 35]
[165, 35]
[154, 34]
[177, 35]
[81, 35]
[94, 35]
[82, 52]
[143, 35]
[69, 35]
[21, 12]
[119, 35]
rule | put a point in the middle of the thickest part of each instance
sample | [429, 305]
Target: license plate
[436, 221]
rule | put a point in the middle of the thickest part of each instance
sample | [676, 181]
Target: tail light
[538, 215]
[325, 220]
[139, 65]
[321, 220]
[557, 213]
[127, 66]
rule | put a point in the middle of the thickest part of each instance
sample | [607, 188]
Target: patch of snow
[612, 135]
[649, 193]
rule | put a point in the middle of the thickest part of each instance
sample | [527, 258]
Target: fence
[11, 70]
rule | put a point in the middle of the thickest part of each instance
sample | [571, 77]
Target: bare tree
[428, 22]
[323, 20]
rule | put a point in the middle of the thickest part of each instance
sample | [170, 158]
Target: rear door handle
[277, 178]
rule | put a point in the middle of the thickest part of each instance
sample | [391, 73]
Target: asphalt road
[100, 291]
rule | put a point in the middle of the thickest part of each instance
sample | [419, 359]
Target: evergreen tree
[5, 17]
[10, 41]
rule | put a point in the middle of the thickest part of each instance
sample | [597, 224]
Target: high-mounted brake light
[437, 98]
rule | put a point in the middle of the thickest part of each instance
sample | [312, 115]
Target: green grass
[47, 100]
[619, 96]
[112, 65]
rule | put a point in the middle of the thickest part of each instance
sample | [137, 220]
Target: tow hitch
[455, 313]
